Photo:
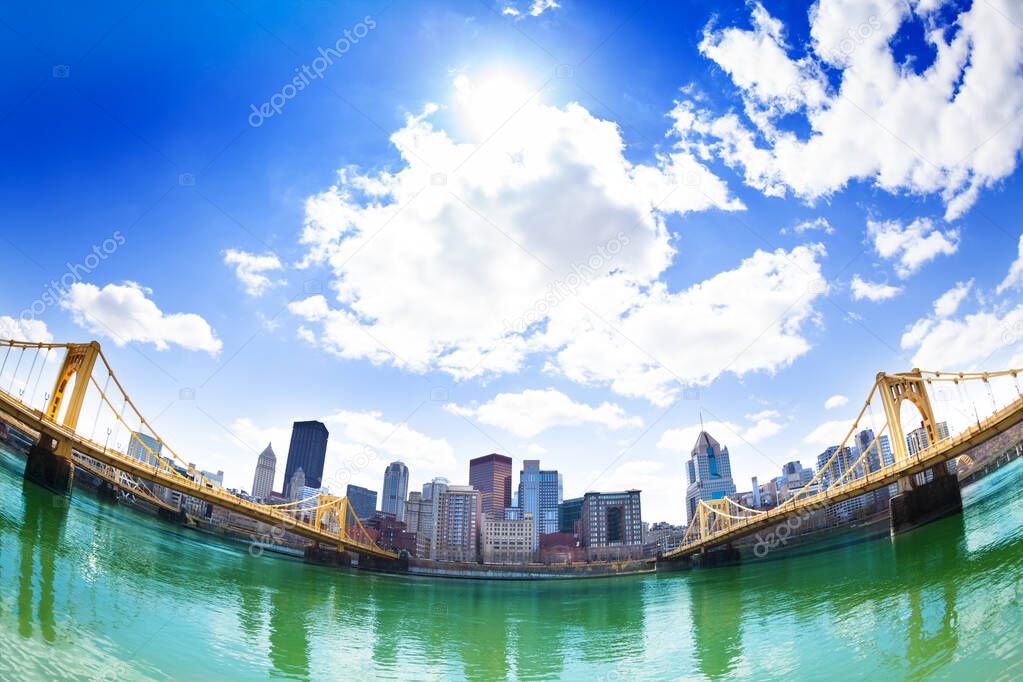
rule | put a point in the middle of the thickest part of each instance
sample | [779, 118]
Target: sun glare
[486, 102]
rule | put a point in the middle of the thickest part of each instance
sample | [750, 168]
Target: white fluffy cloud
[829, 433]
[371, 435]
[542, 239]
[743, 320]
[872, 291]
[973, 342]
[964, 344]
[757, 428]
[953, 128]
[535, 8]
[533, 411]
[24, 330]
[1014, 278]
[913, 245]
[249, 268]
[948, 303]
[835, 401]
[124, 313]
[820, 224]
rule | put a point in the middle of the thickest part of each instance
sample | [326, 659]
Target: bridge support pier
[916, 505]
[714, 558]
[49, 469]
[674, 565]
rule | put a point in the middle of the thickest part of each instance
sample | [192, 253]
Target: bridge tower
[915, 504]
[50, 462]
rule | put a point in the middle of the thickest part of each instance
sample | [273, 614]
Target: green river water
[89, 590]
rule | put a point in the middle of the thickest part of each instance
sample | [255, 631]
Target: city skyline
[761, 289]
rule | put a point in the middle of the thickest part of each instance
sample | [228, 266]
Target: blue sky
[397, 249]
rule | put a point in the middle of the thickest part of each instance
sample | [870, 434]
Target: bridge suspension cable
[319, 517]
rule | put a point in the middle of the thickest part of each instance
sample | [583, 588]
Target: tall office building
[431, 494]
[263, 481]
[916, 440]
[363, 501]
[419, 520]
[395, 490]
[307, 451]
[294, 491]
[458, 524]
[612, 521]
[709, 471]
[491, 475]
[836, 471]
[144, 448]
[539, 494]
[569, 512]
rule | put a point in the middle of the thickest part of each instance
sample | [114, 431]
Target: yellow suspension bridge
[719, 522]
[83, 383]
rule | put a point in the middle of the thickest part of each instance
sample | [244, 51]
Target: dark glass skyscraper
[491, 475]
[307, 451]
[363, 501]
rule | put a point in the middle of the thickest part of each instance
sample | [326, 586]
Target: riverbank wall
[438, 569]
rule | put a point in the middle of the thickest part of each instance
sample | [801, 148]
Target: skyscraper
[263, 481]
[307, 451]
[916, 440]
[395, 490]
[612, 520]
[144, 448]
[710, 473]
[458, 524]
[836, 472]
[539, 494]
[491, 475]
[363, 501]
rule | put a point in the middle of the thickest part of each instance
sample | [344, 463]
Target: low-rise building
[507, 541]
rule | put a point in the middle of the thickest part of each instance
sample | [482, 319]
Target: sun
[487, 102]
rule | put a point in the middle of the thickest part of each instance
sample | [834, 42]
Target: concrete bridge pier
[49, 466]
[916, 505]
[716, 557]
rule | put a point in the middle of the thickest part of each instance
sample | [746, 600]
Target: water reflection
[717, 619]
[41, 528]
[891, 607]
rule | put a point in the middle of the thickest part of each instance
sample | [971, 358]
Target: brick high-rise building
[491, 475]
[459, 520]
